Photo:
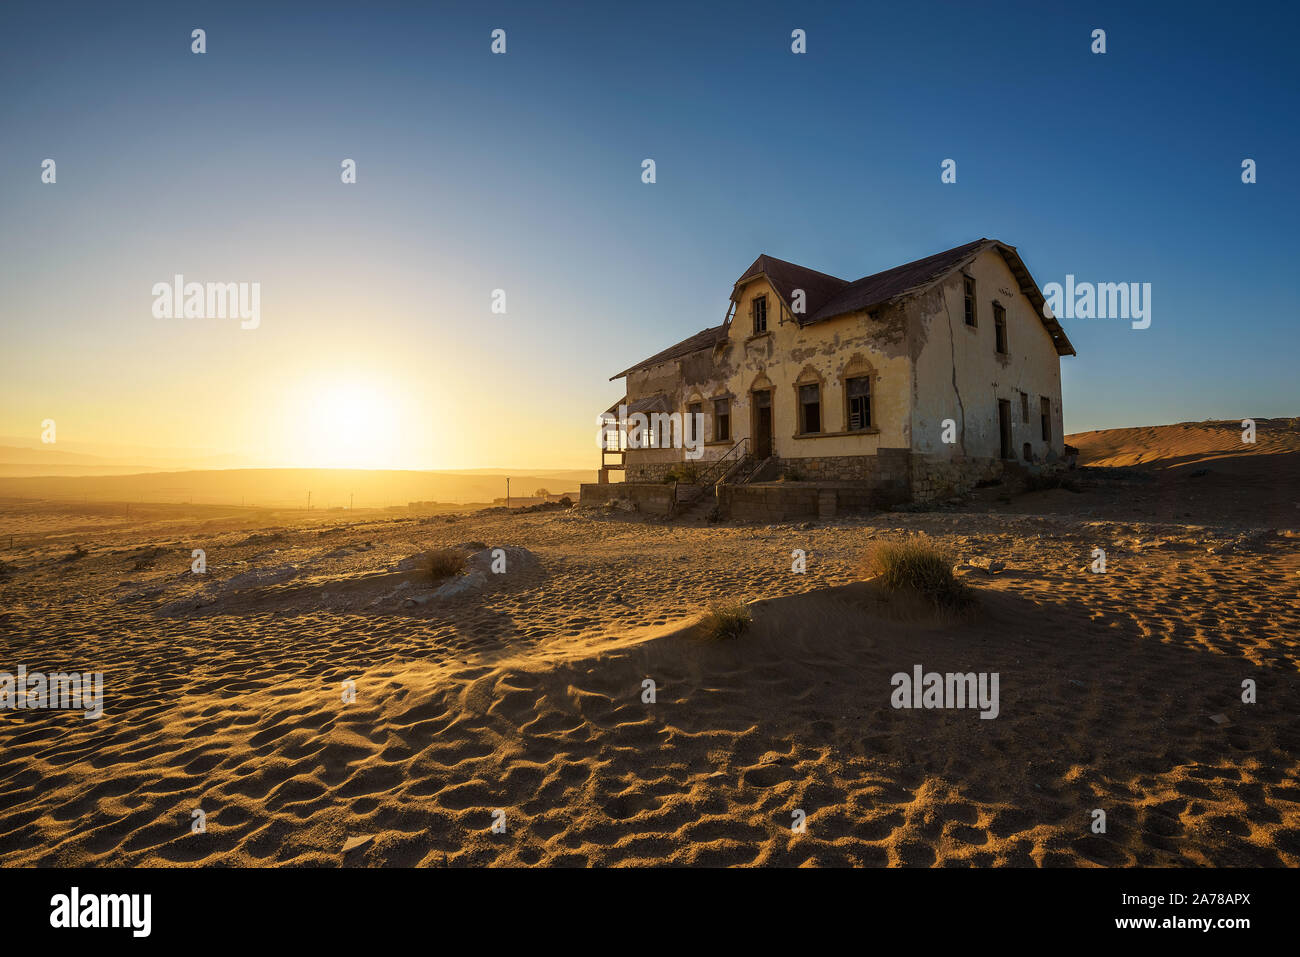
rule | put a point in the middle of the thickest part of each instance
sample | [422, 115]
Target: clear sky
[522, 172]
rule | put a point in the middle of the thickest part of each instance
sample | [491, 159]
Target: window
[999, 328]
[722, 420]
[810, 409]
[694, 424]
[859, 395]
[970, 300]
[760, 314]
[1046, 407]
[1024, 407]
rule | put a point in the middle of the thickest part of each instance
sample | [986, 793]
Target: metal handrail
[718, 463]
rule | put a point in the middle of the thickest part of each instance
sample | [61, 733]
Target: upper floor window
[721, 420]
[858, 391]
[970, 300]
[1045, 406]
[999, 328]
[1024, 407]
[694, 426]
[810, 408]
[760, 314]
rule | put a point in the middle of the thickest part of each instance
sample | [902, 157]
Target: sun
[352, 425]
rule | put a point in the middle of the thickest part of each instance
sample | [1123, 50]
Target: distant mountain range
[287, 488]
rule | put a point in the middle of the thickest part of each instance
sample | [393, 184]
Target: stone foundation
[651, 498]
[783, 501]
[886, 465]
[649, 471]
[937, 479]
[827, 485]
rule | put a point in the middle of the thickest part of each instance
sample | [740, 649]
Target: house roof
[827, 297]
[819, 288]
[704, 339]
[882, 286]
[658, 402]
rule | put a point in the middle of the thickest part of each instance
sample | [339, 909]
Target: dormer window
[759, 308]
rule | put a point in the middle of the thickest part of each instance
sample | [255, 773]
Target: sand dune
[1187, 444]
[525, 696]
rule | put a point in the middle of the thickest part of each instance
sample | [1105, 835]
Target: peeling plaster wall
[692, 378]
[959, 375]
[926, 365]
[826, 348]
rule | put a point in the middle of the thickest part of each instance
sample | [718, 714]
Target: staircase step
[826, 503]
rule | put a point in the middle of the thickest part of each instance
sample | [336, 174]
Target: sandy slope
[527, 696]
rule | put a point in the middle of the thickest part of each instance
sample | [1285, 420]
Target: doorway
[1004, 427]
[762, 424]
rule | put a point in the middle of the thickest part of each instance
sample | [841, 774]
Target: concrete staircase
[736, 467]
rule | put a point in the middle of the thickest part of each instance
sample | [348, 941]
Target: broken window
[1024, 407]
[970, 300]
[810, 409]
[722, 420]
[760, 314]
[999, 328]
[859, 395]
[1045, 405]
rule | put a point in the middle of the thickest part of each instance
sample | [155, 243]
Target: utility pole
[507, 491]
[351, 498]
[309, 501]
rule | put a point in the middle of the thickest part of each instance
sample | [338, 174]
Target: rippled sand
[523, 703]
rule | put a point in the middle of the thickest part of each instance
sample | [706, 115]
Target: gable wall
[826, 348]
[982, 376]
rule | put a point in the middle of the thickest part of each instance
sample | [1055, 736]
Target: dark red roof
[882, 286]
[828, 296]
[819, 288]
[704, 339]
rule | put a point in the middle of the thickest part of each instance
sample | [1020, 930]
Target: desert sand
[520, 699]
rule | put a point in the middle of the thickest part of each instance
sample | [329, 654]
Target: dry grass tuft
[725, 622]
[919, 567]
[442, 563]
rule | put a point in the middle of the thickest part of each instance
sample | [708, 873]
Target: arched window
[808, 402]
[693, 422]
[858, 380]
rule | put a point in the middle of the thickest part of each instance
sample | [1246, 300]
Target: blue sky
[522, 172]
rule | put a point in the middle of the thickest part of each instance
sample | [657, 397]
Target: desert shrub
[76, 553]
[442, 563]
[5, 568]
[687, 473]
[725, 621]
[474, 546]
[792, 475]
[919, 567]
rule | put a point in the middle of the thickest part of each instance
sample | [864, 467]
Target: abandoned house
[815, 392]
